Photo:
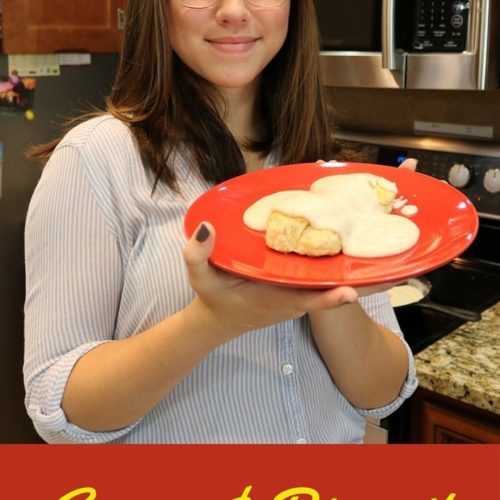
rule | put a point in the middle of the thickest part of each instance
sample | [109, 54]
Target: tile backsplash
[395, 111]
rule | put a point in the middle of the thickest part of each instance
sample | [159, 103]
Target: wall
[394, 111]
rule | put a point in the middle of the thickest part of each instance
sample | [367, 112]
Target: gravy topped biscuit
[295, 234]
[347, 213]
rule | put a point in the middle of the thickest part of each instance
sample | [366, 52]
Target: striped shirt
[104, 261]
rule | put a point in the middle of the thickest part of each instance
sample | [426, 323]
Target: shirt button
[287, 369]
[301, 441]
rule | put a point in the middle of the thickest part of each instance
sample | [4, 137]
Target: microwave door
[473, 67]
[359, 44]
[442, 71]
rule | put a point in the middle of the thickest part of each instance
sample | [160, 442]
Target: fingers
[310, 301]
[409, 164]
[263, 297]
[338, 297]
[197, 251]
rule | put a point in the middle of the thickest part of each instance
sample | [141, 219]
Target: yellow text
[90, 492]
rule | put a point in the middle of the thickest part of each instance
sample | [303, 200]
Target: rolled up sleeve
[74, 273]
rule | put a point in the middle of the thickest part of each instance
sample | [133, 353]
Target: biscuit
[294, 234]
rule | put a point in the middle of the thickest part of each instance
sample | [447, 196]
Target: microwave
[413, 44]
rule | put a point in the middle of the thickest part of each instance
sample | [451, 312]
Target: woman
[131, 336]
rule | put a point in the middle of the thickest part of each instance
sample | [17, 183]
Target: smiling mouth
[232, 44]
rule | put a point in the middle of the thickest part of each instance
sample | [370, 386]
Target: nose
[233, 11]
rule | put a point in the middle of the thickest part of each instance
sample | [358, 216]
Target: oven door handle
[458, 312]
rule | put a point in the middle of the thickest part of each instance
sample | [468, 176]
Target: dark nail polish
[202, 234]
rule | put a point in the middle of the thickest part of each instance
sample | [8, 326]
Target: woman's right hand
[235, 305]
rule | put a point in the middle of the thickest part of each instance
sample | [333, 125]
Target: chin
[234, 82]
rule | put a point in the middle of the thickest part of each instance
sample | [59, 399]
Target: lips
[233, 44]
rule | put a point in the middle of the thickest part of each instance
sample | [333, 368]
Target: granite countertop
[465, 365]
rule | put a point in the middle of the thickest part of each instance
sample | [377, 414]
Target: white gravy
[409, 210]
[347, 205]
[354, 189]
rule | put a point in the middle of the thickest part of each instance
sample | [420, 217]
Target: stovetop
[471, 281]
[462, 283]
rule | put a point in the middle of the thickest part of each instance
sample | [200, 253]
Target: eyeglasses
[205, 4]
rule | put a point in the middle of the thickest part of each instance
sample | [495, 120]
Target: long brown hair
[166, 104]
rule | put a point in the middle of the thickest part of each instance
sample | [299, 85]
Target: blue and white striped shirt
[104, 261]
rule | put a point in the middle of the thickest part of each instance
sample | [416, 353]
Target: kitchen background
[389, 111]
[78, 88]
[56, 99]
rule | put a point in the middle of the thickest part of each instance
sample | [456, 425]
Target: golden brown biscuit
[318, 242]
[294, 234]
[283, 232]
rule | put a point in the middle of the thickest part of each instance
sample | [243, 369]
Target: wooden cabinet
[48, 26]
[436, 419]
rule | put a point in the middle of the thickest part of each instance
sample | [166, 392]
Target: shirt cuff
[409, 387]
[44, 405]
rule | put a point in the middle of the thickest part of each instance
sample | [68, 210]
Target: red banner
[220, 472]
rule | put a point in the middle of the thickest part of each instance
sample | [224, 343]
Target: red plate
[447, 220]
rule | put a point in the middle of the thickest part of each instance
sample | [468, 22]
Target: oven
[472, 280]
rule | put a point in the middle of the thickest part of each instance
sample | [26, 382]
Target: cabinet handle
[120, 19]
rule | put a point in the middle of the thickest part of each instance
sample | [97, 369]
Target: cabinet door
[440, 420]
[47, 26]
[442, 426]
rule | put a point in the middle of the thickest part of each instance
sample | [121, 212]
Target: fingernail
[202, 234]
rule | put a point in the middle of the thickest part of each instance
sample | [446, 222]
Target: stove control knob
[492, 180]
[459, 175]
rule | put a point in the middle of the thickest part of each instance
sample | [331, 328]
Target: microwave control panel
[440, 25]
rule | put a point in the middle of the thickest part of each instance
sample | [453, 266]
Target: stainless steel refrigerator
[56, 98]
